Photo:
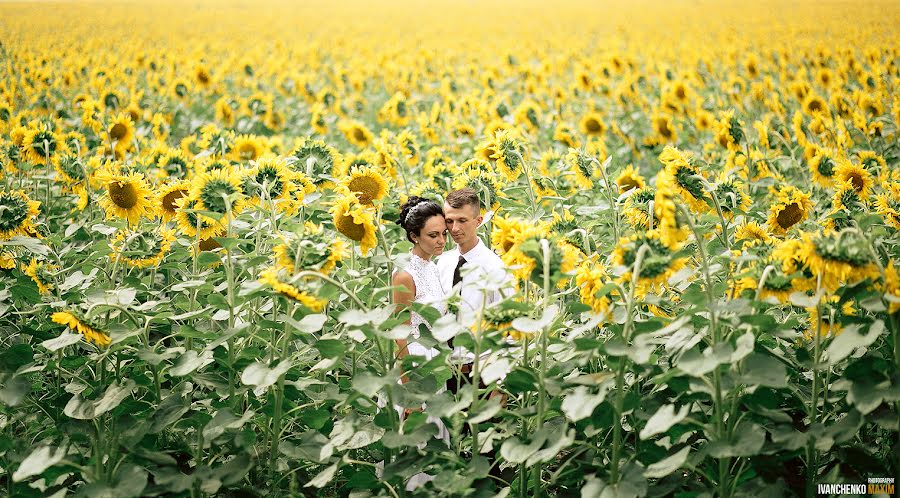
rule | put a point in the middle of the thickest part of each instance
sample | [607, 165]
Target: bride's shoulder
[403, 277]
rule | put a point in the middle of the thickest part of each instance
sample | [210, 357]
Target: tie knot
[462, 261]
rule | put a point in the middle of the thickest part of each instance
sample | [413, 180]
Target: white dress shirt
[482, 265]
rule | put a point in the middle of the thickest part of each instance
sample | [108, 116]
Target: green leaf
[61, 341]
[667, 465]
[261, 376]
[323, 477]
[310, 324]
[83, 409]
[369, 384]
[486, 411]
[580, 404]
[38, 461]
[747, 440]
[520, 380]
[224, 420]
[311, 445]
[850, 339]
[191, 361]
[764, 370]
[698, 364]
[663, 420]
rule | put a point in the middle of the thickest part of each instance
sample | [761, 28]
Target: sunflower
[7, 261]
[40, 144]
[672, 230]
[356, 133]
[477, 175]
[637, 208]
[592, 125]
[791, 207]
[217, 141]
[507, 149]
[731, 195]
[629, 179]
[316, 160]
[367, 184]
[814, 104]
[891, 287]
[43, 274]
[190, 222]
[247, 148]
[268, 179]
[168, 196]
[174, 164]
[218, 192]
[591, 277]
[127, 196]
[728, 131]
[777, 285]
[70, 169]
[830, 323]
[17, 213]
[822, 166]
[355, 222]
[274, 277]
[838, 258]
[685, 180]
[887, 204]
[315, 250]
[141, 248]
[859, 176]
[528, 114]
[658, 264]
[752, 234]
[80, 326]
[664, 131]
[564, 134]
[121, 131]
[584, 166]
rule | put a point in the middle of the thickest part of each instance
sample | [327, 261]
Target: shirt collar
[473, 252]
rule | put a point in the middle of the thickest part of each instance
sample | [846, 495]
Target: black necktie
[457, 277]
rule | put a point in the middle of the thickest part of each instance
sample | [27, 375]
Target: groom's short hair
[463, 197]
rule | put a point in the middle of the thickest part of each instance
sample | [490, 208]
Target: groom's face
[462, 223]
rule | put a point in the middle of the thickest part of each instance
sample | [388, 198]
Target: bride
[419, 281]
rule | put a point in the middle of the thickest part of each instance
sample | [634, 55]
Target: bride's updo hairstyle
[415, 213]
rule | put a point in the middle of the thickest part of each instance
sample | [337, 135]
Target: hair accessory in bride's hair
[413, 210]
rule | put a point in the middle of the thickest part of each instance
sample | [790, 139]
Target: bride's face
[433, 236]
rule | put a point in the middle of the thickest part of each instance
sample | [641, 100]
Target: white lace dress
[428, 291]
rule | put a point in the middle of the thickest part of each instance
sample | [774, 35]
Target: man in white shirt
[470, 263]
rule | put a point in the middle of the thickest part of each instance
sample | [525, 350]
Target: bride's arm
[403, 294]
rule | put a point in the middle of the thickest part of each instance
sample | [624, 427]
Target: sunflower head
[81, 326]
[269, 179]
[315, 159]
[860, 177]
[367, 184]
[42, 273]
[290, 287]
[356, 133]
[584, 165]
[791, 207]
[126, 196]
[837, 258]
[658, 263]
[592, 125]
[751, 233]
[168, 197]
[141, 248]
[508, 151]
[17, 214]
[630, 178]
[218, 192]
[355, 221]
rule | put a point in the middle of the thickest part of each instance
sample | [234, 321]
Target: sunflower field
[699, 203]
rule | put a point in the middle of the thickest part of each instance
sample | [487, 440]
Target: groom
[469, 263]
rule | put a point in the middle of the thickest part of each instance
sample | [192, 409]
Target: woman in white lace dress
[419, 281]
